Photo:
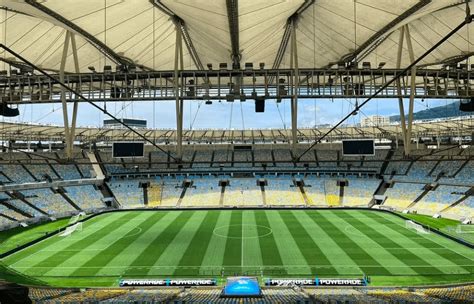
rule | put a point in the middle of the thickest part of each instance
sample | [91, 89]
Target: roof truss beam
[290, 22]
[233, 17]
[450, 61]
[102, 47]
[370, 44]
[181, 25]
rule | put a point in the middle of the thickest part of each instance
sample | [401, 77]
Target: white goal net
[76, 218]
[417, 227]
[69, 230]
[465, 229]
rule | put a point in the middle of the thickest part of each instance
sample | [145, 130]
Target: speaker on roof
[260, 104]
[467, 105]
[7, 111]
[223, 66]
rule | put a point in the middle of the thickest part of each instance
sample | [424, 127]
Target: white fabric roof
[137, 30]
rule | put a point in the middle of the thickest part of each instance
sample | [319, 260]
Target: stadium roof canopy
[217, 31]
[447, 127]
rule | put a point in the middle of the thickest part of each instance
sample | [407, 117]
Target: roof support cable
[78, 94]
[103, 48]
[468, 13]
[242, 115]
[380, 36]
[468, 57]
[231, 114]
[281, 117]
[468, 10]
[388, 83]
[191, 126]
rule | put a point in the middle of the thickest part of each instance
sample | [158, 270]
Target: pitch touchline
[257, 266]
[386, 248]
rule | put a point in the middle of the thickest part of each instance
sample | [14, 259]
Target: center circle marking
[264, 231]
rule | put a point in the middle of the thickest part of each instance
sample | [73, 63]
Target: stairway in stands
[264, 195]
[459, 201]
[19, 196]
[380, 191]
[19, 211]
[155, 193]
[306, 199]
[96, 166]
[67, 198]
[426, 190]
[387, 161]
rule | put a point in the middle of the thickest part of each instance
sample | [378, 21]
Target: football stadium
[236, 151]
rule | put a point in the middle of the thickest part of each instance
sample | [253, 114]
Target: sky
[222, 115]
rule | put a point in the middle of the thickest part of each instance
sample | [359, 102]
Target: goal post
[76, 218]
[69, 230]
[417, 227]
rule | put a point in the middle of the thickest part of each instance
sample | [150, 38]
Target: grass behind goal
[448, 226]
[219, 243]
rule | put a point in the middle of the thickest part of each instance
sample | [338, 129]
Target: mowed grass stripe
[62, 255]
[252, 258]
[377, 250]
[443, 246]
[35, 256]
[233, 247]
[78, 258]
[395, 223]
[385, 238]
[121, 262]
[291, 256]
[103, 257]
[363, 259]
[171, 256]
[418, 249]
[444, 258]
[268, 247]
[337, 257]
[310, 249]
[194, 254]
[438, 243]
[155, 247]
[40, 249]
[214, 256]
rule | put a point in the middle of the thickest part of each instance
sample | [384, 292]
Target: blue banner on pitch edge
[242, 287]
[167, 282]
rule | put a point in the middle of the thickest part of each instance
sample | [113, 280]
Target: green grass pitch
[215, 243]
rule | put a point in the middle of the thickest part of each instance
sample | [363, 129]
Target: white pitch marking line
[443, 246]
[242, 253]
[220, 266]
